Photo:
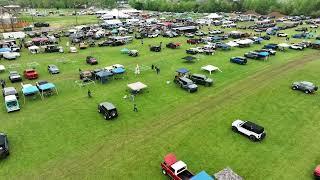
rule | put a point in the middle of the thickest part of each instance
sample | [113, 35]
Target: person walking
[158, 70]
[135, 109]
[152, 67]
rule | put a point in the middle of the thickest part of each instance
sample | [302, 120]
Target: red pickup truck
[30, 74]
[177, 170]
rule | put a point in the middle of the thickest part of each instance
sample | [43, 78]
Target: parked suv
[108, 110]
[14, 76]
[186, 84]
[30, 74]
[250, 129]
[201, 79]
[4, 145]
[305, 86]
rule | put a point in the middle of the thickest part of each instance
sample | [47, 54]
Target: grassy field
[57, 21]
[63, 136]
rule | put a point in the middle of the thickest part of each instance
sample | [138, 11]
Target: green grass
[56, 21]
[63, 136]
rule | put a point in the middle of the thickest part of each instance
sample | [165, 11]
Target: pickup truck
[177, 170]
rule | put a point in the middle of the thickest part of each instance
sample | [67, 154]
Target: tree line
[287, 7]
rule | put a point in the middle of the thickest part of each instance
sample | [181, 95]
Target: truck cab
[11, 103]
[177, 170]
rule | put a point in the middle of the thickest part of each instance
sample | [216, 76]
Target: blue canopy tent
[202, 176]
[103, 76]
[263, 55]
[114, 31]
[29, 90]
[118, 71]
[182, 71]
[124, 51]
[47, 89]
[5, 50]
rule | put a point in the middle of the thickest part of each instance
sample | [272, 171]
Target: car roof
[186, 79]
[178, 165]
[108, 105]
[200, 75]
[255, 128]
[307, 83]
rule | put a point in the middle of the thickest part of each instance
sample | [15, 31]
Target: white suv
[250, 129]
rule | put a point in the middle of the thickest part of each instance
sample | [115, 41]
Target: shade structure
[47, 87]
[210, 68]
[118, 70]
[5, 50]
[263, 54]
[227, 174]
[137, 86]
[202, 176]
[29, 89]
[182, 71]
[189, 58]
[103, 76]
[124, 50]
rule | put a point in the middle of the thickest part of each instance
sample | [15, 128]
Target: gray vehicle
[53, 69]
[305, 86]
[10, 91]
[201, 79]
[186, 84]
[14, 76]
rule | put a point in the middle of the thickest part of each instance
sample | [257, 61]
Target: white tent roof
[245, 41]
[15, 35]
[232, 44]
[2, 68]
[214, 16]
[137, 86]
[33, 47]
[112, 21]
[285, 45]
[210, 68]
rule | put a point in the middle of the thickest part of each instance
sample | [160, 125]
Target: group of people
[156, 68]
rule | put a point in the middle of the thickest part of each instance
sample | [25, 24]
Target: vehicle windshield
[11, 104]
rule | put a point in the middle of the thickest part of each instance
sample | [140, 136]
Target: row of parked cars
[190, 82]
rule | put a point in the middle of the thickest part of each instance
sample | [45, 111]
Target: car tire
[307, 91]
[164, 172]
[234, 129]
[207, 84]
[294, 88]
[252, 138]
[105, 117]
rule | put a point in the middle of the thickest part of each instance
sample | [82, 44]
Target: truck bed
[185, 175]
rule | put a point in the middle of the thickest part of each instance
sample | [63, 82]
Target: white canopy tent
[137, 87]
[14, 35]
[2, 68]
[210, 68]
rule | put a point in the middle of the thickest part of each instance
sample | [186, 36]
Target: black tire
[105, 117]
[252, 138]
[294, 88]
[164, 172]
[307, 91]
[207, 84]
[234, 129]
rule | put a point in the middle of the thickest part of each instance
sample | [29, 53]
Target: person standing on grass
[158, 70]
[135, 109]
[141, 41]
[152, 67]
[3, 83]
[89, 93]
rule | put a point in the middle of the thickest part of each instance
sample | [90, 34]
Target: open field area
[64, 137]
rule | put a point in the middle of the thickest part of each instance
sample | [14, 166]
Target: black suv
[108, 110]
[186, 84]
[4, 145]
[201, 79]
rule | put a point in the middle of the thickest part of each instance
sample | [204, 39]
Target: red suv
[30, 74]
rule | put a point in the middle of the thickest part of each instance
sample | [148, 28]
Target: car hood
[192, 86]
[237, 122]
[209, 80]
